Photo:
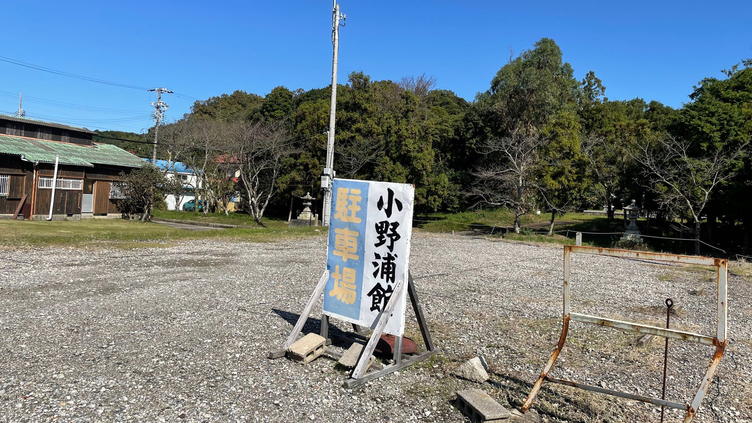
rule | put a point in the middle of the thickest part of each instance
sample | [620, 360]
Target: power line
[68, 74]
[81, 77]
[62, 104]
[123, 140]
[90, 121]
[186, 96]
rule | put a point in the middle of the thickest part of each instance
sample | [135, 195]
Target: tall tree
[561, 170]
[613, 129]
[685, 182]
[719, 118]
[278, 105]
[530, 90]
[228, 108]
[526, 96]
[209, 140]
[258, 150]
[141, 188]
[509, 177]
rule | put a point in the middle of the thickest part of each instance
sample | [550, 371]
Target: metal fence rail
[719, 340]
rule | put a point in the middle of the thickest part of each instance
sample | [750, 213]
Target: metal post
[326, 178]
[54, 184]
[156, 137]
[669, 304]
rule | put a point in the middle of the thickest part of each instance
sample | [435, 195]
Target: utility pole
[20, 112]
[328, 176]
[159, 108]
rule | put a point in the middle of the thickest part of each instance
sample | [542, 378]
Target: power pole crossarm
[326, 178]
[159, 108]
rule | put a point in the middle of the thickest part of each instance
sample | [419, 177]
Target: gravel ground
[182, 333]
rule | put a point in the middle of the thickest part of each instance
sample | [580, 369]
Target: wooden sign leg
[418, 312]
[325, 327]
[303, 317]
[398, 362]
[397, 357]
[360, 368]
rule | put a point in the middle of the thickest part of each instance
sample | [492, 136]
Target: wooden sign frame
[359, 374]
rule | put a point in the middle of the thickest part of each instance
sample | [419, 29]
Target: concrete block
[531, 416]
[350, 358]
[307, 348]
[480, 407]
[474, 370]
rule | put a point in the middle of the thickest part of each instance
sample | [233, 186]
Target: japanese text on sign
[369, 247]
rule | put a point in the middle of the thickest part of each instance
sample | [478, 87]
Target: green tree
[228, 108]
[278, 105]
[519, 119]
[141, 188]
[140, 145]
[613, 130]
[561, 174]
[530, 90]
[718, 121]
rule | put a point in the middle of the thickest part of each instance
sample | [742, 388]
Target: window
[4, 185]
[116, 190]
[71, 184]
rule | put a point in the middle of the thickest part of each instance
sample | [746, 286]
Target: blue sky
[656, 50]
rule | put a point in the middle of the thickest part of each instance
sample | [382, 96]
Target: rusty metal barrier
[719, 340]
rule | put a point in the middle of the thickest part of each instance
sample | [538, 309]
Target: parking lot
[182, 334]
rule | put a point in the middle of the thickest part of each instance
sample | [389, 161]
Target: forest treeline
[536, 139]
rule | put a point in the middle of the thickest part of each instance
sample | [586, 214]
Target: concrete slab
[480, 407]
[350, 358]
[474, 370]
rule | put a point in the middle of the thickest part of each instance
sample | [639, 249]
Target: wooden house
[85, 176]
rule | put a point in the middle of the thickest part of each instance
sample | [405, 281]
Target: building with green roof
[87, 172]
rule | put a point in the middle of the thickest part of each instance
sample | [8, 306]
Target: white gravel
[182, 333]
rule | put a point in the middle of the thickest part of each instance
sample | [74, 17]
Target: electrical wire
[81, 77]
[68, 74]
[54, 103]
[124, 140]
[89, 121]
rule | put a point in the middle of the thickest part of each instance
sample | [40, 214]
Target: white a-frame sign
[367, 279]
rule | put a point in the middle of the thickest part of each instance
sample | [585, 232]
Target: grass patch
[544, 239]
[668, 277]
[129, 234]
[690, 273]
[465, 221]
[238, 219]
[438, 360]
[744, 270]
[597, 230]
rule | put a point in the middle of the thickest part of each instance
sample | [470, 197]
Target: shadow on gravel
[313, 325]
[550, 404]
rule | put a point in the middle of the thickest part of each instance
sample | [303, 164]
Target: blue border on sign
[331, 303]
